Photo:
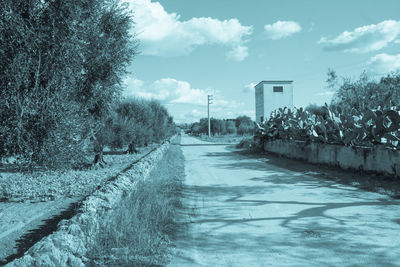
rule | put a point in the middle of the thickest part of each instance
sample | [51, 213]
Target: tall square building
[271, 95]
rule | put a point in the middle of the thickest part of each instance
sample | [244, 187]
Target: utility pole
[209, 101]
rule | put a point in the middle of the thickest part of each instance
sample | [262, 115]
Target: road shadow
[242, 196]
[216, 206]
[301, 170]
[306, 227]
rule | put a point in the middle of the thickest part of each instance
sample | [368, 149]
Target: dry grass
[138, 232]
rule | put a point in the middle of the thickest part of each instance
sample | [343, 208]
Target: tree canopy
[62, 65]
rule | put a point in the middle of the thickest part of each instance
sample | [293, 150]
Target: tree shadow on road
[312, 226]
[300, 170]
[239, 196]
[222, 212]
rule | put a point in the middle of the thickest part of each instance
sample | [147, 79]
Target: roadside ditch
[63, 240]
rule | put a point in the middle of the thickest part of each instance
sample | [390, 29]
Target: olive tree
[62, 63]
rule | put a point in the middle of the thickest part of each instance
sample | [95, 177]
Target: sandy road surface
[242, 211]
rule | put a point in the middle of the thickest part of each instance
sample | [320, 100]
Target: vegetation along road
[248, 211]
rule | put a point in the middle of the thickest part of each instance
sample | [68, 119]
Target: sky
[191, 48]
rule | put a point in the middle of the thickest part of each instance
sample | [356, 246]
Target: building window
[278, 89]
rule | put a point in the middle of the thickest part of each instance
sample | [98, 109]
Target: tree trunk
[98, 157]
[132, 149]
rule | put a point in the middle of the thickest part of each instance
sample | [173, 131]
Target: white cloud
[384, 63]
[364, 39]
[164, 34]
[184, 102]
[166, 90]
[238, 53]
[172, 91]
[189, 95]
[281, 29]
[138, 88]
[194, 115]
[249, 87]
[225, 104]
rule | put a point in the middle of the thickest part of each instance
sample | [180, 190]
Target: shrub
[230, 127]
[364, 93]
[244, 125]
[316, 110]
[217, 126]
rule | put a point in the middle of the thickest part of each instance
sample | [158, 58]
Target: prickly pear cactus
[355, 128]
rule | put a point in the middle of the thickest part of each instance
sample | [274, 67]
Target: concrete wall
[379, 160]
[267, 100]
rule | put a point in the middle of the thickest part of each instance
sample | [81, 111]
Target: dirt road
[243, 211]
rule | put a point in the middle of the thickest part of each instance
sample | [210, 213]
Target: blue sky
[191, 48]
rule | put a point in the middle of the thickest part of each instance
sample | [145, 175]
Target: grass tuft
[138, 232]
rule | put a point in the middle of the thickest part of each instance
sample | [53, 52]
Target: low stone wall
[68, 245]
[377, 159]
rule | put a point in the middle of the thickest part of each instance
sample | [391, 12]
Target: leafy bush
[200, 127]
[315, 109]
[217, 126]
[244, 125]
[230, 127]
[365, 93]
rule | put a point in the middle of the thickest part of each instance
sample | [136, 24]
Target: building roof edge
[275, 82]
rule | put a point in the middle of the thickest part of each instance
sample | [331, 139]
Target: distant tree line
[241, 125]
[62, 63]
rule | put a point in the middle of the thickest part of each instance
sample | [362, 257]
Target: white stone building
[271, 95]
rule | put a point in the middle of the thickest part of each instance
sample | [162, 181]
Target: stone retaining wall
[68, 245]
[377, 159]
